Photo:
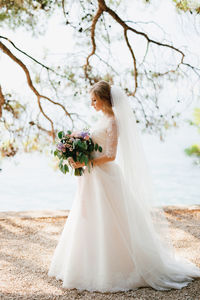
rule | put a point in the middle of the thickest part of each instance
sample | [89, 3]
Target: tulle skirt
[95, 252]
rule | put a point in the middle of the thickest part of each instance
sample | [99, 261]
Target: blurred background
[51, 52]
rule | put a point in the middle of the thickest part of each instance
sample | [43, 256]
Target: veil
[152, 250]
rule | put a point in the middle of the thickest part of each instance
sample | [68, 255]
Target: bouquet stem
[78, 171]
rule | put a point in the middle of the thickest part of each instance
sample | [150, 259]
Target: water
[176, 177]
[28, 182]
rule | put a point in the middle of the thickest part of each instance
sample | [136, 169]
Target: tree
[99, 23]
[194, 150]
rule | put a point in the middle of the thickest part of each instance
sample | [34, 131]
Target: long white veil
[151, 247]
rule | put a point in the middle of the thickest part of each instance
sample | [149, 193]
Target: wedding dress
[114, 238]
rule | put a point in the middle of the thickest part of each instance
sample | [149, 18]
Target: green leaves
[63, 168]
[193, 150]
[86, 160]
[78, 148]
[197, 116]
[83, 158]
[97, 147]
[78, 171]
[186, 5]
[58, 154]
[82, 145]
[60, 134]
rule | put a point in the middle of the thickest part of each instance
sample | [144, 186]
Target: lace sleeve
[111, 139]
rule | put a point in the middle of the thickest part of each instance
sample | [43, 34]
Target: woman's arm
[109, 151]
[101, 160]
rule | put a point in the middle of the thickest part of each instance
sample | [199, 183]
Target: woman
[115, 237]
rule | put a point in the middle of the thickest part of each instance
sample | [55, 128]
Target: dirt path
[27, 242]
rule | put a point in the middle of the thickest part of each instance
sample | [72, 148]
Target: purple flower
[61, 147]
[84, 134]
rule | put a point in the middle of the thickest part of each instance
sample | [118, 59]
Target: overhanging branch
[2, 101]
[32, 87]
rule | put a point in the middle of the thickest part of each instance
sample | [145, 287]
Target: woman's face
[96, 102]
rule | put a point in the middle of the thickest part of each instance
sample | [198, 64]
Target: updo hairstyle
[102, 90]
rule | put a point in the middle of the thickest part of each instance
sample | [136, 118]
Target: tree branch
[134, 61]
[2, 101]
[32, 58]
[32, 123]
[113, 14]
[93, 27]
[32, 87]
[103, 7]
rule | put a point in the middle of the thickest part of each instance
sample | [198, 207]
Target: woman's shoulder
[111, 127]
[104, 123]
[111, 121]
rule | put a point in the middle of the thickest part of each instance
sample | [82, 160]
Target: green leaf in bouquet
[96, 147]
[62, 170]
[85, 145]
[69, 132]
[65, 155]
[59, 155]
[100, 149]
[82, 145]
[60, 134]
[91, 147]
[81, 158]
[55, 153]
[65, 169]
[85, 159]
[75, 143]
[60, 163]
[78, 171]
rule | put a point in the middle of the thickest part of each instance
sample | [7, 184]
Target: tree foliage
[194, 150]
[30, 15]
[188, 5]
[99, 27]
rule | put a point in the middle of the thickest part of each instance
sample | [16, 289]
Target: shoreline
[29, 238]
[62, 213]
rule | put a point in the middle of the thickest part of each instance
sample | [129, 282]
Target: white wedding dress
[98, 249]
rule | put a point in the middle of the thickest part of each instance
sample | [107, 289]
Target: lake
[28, 181]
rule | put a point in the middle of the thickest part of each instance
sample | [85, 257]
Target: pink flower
[68, 145]
[86, 137]
[75, 134]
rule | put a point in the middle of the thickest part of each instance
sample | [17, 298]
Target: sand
[28, 240]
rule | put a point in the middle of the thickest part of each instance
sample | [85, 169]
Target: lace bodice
[105, 134]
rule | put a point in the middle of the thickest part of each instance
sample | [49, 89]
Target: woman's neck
[109, 113]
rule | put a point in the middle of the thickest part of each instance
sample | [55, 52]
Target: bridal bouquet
[77, 145]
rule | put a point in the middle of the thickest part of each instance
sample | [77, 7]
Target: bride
[116, 237]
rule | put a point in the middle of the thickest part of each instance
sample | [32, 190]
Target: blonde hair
[102, 90]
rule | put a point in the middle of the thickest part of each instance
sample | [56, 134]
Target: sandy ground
[28, 240]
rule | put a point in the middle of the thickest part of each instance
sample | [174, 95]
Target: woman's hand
[74, 164]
